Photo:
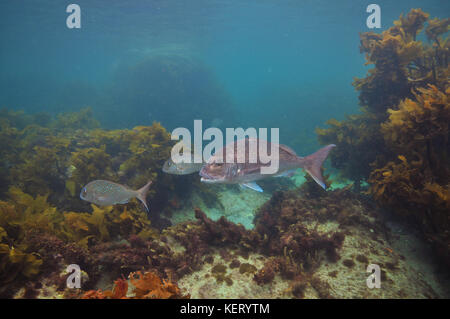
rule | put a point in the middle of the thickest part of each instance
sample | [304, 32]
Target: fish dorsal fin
[253, 185]
[287, 149]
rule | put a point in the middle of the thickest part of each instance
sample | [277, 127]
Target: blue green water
[286, 64]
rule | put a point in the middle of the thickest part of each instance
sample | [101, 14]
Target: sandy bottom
[408, 268]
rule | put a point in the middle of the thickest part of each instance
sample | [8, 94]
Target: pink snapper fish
[217, 170]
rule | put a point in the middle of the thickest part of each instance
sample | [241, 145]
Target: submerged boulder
[171, 88]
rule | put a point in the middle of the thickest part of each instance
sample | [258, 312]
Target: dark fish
[105, 193]
[182, 168]
[216, 170]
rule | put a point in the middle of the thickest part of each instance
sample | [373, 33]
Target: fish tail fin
[313, 164]
[142, 194]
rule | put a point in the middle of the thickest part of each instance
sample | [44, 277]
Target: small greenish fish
[182, 168]
[105, 193]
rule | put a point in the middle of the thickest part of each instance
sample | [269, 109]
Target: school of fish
[243, 171]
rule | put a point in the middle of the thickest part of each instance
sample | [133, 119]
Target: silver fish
[216, 170]
[105, 193]
[182, 168]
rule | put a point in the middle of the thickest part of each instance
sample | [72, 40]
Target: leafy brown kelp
[14, 263]
[400, 64]
[359, 140]
[59, 156]
[417, 183]
[422, 122]
[43, 223]
[400, 142]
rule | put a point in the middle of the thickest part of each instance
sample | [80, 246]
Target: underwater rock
[183, 88]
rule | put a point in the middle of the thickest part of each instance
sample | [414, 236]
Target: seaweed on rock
[401, 64]
[146, 286]
[416, 184]
[400, 143]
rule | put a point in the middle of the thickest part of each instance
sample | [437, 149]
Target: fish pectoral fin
[289, 173]
[252, 185]
[124, 201]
